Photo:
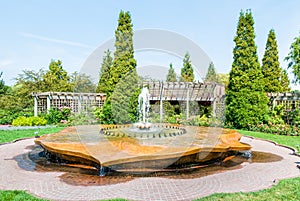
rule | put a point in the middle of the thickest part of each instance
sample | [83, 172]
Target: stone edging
[276, 144]
[16, 140]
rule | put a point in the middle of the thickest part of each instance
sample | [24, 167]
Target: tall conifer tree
[270, 65]
[124, 61]
[246, 100]
[121, 102]
[285, 82]
[103, 85]
[187, 72]
[211, 75]
[171, 77]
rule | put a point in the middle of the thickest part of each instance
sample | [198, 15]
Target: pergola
[290, 100]
[77, 102]
[186, 92]
[159, 91]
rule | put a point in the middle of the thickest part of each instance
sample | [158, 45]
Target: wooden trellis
[159, 91]
[290, 102]
[77, 102]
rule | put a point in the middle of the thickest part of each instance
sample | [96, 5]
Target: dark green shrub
[55, 115]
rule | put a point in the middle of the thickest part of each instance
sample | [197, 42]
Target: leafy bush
[83, 119]
[29, 121]
[279, 129]
[58, 115]
[275, 123]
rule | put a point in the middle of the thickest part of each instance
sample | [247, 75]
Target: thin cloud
[5, 62]
[65, 42]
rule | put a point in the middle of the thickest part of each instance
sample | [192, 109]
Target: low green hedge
[29, 121]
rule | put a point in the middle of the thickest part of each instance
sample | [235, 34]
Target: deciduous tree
[294, 59]
[56, 78]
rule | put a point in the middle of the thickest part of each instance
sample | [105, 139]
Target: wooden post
[35, 105]
[48, 103]
[215, 100]
[161, 103]
[187, 102]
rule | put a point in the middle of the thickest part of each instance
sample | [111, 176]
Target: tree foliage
[82, 82]
[56, 78]
[124, 60]
[171, 77]
[211, 75]
[294, 59]
[120, 106]
[187, 72]
[270, 65]
[3, 87]
[124, 100]
[104, 84]
[284, 81]
[246, 100]
[223, 79]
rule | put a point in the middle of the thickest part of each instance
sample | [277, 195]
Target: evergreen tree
[124, 61]
[56, 78]
[211, 75]
[123, 68]
[270, 65]
[187, 72]
[294, 59]
[171, 77]
[103, 85]
[284, 82]
[246, 100]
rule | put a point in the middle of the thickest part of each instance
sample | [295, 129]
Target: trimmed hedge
[29, 121]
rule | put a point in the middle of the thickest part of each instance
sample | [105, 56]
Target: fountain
[142, 147]
[143, 109]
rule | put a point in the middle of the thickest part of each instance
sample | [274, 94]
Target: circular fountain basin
[128, 149]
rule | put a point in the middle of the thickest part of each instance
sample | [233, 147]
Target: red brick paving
[251, 177]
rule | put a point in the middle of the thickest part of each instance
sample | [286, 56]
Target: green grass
[290, 141]
[23, 196]
[287, 189]
[17, 196]
[11, 135]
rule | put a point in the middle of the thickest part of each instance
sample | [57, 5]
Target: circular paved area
[251, 177]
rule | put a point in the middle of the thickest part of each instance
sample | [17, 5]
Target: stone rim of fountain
[133, 131]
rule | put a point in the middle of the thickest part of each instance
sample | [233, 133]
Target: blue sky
[34, 31]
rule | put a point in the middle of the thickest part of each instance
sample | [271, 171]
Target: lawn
[17, 196]
[291, 141]
[287, 189]
[11, 135]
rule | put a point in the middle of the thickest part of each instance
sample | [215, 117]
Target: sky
[35, 31]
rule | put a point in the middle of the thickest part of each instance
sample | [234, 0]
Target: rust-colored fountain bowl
[120, 148]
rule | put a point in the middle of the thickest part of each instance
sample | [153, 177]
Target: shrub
[58, 115]
[29, 121]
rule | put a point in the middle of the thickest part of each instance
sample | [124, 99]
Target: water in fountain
[143, 109]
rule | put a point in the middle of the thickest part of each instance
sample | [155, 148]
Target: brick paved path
[250, 177]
